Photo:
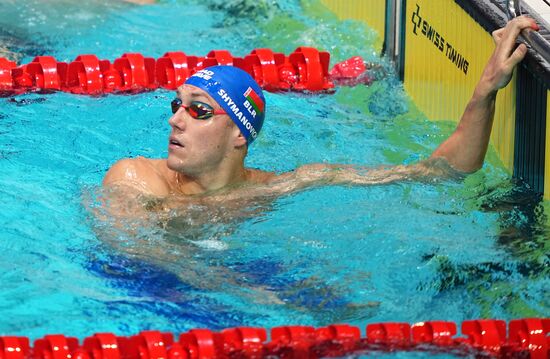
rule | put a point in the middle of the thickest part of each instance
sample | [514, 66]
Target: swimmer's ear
[240, 140]
[236, 135]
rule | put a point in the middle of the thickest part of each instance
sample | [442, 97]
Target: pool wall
[440, 49]
[373, 12]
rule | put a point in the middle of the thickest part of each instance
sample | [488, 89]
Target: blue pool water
[402, 252]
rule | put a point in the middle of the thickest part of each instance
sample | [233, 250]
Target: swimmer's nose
[178, 120]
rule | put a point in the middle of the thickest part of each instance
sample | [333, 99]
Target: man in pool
[219, 112]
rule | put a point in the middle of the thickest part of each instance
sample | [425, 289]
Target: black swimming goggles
[198, 110]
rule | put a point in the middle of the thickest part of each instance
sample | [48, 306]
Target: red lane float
[102, 345]
[243, 340]
[137, 72]
[6, 68]
[14, 347]
[265, 67]
[487, 334]
[173, 68]
[45, 72]
[306, 69]
[532, 335]
[218, 57]
[527, 338]
[54, 347]
[84, 75]
[398, 334]
[437, 332]
[351, 72]
[312, 69]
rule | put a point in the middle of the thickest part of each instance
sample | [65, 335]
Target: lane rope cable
[481, 338]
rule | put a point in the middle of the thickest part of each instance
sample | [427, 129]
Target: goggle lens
[198, 110]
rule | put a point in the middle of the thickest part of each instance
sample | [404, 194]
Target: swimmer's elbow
[467, 168]
[471, 170]
[441, 167]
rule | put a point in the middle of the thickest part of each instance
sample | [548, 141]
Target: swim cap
[237, 93]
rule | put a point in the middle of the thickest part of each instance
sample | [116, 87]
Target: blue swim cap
[237, 93]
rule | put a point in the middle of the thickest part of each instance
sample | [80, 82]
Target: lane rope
[306, 69]
[526, 338]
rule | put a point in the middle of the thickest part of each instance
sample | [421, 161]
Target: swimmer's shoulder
[143, 174]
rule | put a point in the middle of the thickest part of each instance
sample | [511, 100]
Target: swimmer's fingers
[497, 35]
[516, 57]
[506, 40]
[507, 55]
[498, 72]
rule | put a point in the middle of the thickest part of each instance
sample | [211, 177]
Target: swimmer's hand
[465, 149]
[498, 70]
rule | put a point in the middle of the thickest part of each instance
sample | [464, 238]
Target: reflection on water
[34, 28]
[502, 286]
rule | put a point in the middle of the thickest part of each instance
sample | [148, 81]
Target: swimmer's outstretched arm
[463, 152]
[318, 175]
[465, 149]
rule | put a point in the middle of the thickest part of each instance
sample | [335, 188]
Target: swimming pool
[400, 252]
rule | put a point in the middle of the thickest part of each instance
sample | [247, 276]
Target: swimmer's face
[197, 146]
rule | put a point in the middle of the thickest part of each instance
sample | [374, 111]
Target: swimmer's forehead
[195, 93]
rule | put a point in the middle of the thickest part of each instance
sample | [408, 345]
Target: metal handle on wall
[513, 8]
[532, 38]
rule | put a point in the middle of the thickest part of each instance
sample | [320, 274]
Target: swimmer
[219, 112]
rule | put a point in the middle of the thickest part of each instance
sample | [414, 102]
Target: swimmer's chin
[182, 167]
[171, 165]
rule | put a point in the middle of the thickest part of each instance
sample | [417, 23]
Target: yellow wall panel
[372, 12]
[445, 53]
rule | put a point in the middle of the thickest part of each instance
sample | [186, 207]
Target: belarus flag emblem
[254, 100]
